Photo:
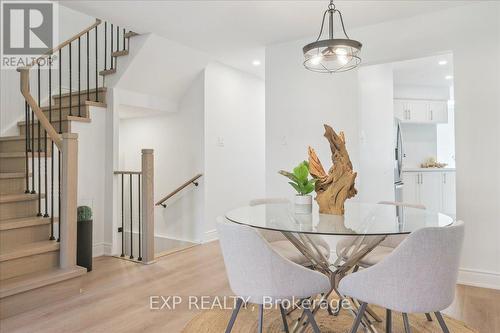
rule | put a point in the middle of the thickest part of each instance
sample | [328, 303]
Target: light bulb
[316, 59]
[256, 62]
[448, 77]
[442, 62]
[341, 55]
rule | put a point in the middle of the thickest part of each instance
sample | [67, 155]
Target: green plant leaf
[289, 175]
[295, 186]
[308, 188]
[301, 172]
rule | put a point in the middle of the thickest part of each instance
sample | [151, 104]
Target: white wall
[234, 141]
[317, 98]
[298, 103]
[377, 134]
[70, 23]
[177, 140]
[92, 151]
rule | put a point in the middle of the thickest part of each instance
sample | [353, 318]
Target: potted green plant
[300, 181]
[84, 237]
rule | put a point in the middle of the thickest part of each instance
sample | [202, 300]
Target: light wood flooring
[115, 297]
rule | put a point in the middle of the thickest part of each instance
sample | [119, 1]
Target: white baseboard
[210, 236]
[478, 278]
[101, 249]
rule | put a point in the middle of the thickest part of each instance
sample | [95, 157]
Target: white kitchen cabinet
[438, 111]
[421, 111]
[449, 197]
[433, 189]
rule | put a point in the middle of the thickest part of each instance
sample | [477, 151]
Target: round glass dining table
[367, 224]
[360, 219]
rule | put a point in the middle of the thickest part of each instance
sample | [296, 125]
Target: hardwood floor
[116, 297]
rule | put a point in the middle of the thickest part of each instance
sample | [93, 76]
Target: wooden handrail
[177, 190]
[60, 46]
[127, 172]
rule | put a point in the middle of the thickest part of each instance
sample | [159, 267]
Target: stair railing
[46, 129]
[193, 181]
[139, 224]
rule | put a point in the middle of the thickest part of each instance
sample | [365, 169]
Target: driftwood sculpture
[336, 186]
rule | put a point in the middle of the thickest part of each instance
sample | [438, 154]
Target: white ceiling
[236, 32]
[424, 71]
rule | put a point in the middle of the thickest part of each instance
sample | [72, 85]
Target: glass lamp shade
[332, 55]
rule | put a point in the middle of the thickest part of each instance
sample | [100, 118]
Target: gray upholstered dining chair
[258, 273]
[383, 249]
[407, 281]
[282, 245]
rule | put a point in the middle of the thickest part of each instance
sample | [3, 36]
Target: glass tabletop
[359, 219]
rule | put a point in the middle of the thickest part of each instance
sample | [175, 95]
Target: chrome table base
[347, 261]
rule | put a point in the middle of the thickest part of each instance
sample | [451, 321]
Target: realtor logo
[27, 31]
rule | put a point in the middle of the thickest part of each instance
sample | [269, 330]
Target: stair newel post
[67, 219]
[147, 211]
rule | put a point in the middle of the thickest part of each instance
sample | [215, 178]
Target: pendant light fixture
[332, 55]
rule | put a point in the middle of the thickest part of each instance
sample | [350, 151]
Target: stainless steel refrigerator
[398, 161]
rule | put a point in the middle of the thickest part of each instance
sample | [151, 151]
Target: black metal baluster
[45, 164]
[70, 82]
[131, 220]
[123, 230]
[32, 136]
[111, 49]
[59, 193]
[51, 157]
[59, 152]
[123, 39]
[39, 149]
[88, 69]
[26, 148]
[139, 209]
[60, 91]
[96, 70]
[105, 46]
[79, 79]
[117, 38]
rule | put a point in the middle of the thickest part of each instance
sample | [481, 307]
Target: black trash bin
[84, 238]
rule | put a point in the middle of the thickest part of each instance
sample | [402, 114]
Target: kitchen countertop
[427, 169]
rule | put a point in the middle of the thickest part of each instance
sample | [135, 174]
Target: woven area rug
[215, 321]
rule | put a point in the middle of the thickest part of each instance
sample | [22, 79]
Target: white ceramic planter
[303, 204]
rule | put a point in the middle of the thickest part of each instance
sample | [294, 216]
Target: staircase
[38, 175]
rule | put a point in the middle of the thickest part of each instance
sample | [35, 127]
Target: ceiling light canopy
[332, 54]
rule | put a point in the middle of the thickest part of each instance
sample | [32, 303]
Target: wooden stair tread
[12, 175]
[5, 198]
[107, 72]
[119, 53]
[67, 118]
[101, 89]
[55, 107]
[131, 34]
[30, 249]
[22, 154]
[24, 222]
[32, 281]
